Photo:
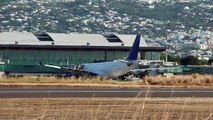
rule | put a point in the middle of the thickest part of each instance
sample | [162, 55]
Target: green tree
[171, 58]
[210, 61]
[192, 60]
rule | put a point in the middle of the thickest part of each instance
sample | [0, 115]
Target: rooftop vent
[112, 38]
[16, 42]
[43, 37]
[122, 44]
[53, 43]
[88, 43]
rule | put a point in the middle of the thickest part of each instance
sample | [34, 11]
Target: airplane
[111, 69]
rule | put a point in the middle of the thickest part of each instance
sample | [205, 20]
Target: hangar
[21, 51]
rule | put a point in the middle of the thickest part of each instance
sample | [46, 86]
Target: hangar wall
[57, 57]
[27, 61]
[32, 57]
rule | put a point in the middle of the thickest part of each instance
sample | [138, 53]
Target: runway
[104, 92]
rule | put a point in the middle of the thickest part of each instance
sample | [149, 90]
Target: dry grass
[194, 80]
[107, 108]
[29, 79]
[61, 82]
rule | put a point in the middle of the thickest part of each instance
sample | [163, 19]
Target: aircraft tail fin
[133, 54]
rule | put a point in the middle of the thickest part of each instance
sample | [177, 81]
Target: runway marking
[1, 92]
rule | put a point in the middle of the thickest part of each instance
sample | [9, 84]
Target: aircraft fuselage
[110, 69]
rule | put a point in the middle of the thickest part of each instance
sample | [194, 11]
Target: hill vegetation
[125, 17]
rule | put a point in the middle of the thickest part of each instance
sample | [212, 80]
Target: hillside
[124, 17]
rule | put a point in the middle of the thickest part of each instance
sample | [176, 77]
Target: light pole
[166, 54]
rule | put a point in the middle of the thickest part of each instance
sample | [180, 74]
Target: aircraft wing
[58, 67]
[71, 69]
[53, 66]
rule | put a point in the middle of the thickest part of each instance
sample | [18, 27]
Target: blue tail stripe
[133, 55]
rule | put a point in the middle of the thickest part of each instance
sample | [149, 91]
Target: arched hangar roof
[71, 39]
[78, 39]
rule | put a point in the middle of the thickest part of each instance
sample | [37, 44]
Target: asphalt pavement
[104, 92]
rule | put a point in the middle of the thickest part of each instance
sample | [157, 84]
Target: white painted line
[37, 91]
